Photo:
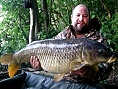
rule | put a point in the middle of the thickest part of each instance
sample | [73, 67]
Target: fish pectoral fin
[6, 59]
[58, 77]
[13, 68]
[75, 65]
[95, 68]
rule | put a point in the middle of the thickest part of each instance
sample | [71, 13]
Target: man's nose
[80, 18]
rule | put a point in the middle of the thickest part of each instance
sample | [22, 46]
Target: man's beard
[82, 30]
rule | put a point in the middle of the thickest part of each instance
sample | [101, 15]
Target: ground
[112, 80]
[113, 77]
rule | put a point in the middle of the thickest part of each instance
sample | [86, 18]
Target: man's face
[80, 18]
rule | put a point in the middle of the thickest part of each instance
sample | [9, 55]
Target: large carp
[60, 56]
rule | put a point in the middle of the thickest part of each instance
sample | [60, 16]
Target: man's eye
[78, 15]
[85, 15]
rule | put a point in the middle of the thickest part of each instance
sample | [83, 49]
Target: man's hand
[35, 62]
[85, 72]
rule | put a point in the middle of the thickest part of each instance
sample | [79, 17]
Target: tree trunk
[34, 21]
[46, 15]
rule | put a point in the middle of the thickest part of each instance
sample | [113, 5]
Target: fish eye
[101, 50]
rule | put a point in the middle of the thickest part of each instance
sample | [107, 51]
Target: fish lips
[112, 59]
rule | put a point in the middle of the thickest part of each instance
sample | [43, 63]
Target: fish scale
[60, 56]
[55, 62]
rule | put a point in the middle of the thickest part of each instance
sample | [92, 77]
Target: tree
[46, 20]
[35, 26]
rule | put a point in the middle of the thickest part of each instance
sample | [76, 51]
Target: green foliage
[44, 35]
[110, 31]
[14, 29]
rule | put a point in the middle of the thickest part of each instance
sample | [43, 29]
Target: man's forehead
[81, 7]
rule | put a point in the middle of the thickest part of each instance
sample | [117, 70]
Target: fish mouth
[112, 59]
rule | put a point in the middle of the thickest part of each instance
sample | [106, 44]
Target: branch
[109, 14]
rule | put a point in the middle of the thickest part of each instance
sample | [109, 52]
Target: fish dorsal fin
[58, 77]
[36, 42]
[6, 59]
[33, 43]
[13, 68]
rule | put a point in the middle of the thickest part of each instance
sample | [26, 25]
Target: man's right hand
[34, 61]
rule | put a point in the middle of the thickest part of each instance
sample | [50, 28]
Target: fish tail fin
[13, 68]
[6, 59]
